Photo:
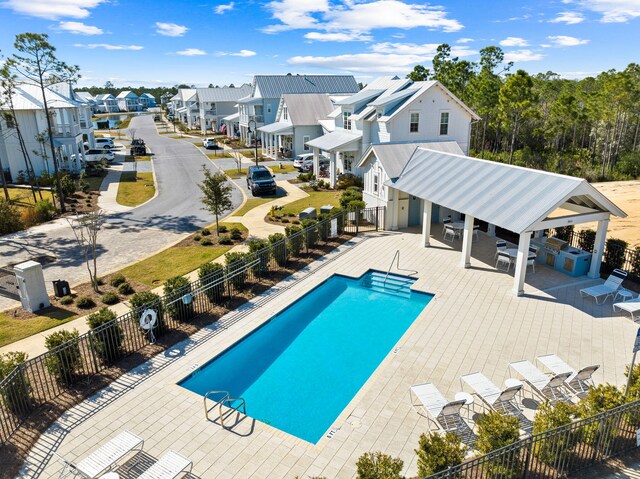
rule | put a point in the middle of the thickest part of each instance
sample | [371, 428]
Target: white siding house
[184, 106]
[214, 104]
[128, 101]
[107, 103]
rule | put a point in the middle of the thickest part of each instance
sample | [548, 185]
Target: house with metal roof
[435, 183]
[106, 103]
[71, 128]
[259, 108]
[395, 110]
[184, 106]
[297, 122]
[214, 104]
[128, 101]
[147, 100]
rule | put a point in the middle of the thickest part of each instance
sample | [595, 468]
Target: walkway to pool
[474, 323]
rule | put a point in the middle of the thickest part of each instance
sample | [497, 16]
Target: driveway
[129, 236]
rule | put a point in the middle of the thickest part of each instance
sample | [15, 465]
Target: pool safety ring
[148, 321]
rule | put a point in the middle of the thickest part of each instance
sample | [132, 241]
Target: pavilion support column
[598, 249]
[316, 162]
[467, 237]
[332, 169]
[426, 222]
[491, 229]
[521, 263]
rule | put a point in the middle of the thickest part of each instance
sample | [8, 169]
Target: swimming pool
[298, 371]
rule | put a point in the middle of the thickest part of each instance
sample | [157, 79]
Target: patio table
[513, 253]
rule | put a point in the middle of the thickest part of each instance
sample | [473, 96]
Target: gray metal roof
[394, 156]
[281, 127]
[274, 86]
[127, 94]
[399, 95]
[363, 95]
[29, 97]
[221, 94]
[148, 95]
[306, 109]
[84, 96]
[232, 117]
[105, 96]
[508, 196]
[335, 140]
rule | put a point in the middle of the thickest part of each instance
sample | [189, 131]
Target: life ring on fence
[148, 319]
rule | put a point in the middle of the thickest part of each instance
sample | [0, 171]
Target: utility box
[30, 282]
[309, 213]
[326, 209]
[61, 288]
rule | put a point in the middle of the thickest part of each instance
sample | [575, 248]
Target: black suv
[260, 181]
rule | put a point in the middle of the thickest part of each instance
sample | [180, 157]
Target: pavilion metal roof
[511, 197]
[335, 140]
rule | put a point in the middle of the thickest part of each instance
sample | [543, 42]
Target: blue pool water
[299, 370]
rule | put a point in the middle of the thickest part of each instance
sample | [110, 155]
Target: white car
[104, 143]
[299, 161]
[209, 143]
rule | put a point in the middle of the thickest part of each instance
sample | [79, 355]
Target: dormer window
[444, 123]
[414, 122]
[346, 120]
[285, 113]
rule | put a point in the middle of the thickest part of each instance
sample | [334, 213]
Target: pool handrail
[396, 255]
[227, 401]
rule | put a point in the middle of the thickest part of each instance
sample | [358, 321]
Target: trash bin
[61, 288]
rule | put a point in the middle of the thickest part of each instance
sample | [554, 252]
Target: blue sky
[164, 42]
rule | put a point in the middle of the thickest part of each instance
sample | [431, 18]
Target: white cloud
[223, 8]
[522, 56]
[514, 42]
[465, 40]
[569, 18]
[79, 28]
[577, 75]
[241, 53]
[170, 29]
[361, 62]
[564, 41]
[338, 37]
[357, 17]
[428, 50]
[52, 9]
[191, 52]
[108, 46]
[613, 11]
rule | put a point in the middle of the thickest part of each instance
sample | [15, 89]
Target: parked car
[97, 156]
[260, 181]
[307, 165]
[210, 143]
[105, 143]
[299, 160]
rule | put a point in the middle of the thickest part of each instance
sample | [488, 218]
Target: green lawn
[12, 330]
[316, 199]
[222, 154]
[250, 204]
[278, 167]
[132, 190]
[235, 174]
[24, 197]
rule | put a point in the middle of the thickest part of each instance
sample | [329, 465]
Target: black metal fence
[557, 453]
[614, 255]
[38, 381]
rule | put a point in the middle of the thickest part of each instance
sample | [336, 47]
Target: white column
[598, 248]
[394, 208]
[491, 229]
[426, 222]
[521, 263]
[316, 161]
[263, 150]
[467, 237]
[332, 170]
[78, 156]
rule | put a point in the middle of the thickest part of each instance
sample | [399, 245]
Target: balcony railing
[67, 130]
[248, 118]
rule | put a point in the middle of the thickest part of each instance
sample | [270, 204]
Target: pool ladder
[227, 401]
[396, 259]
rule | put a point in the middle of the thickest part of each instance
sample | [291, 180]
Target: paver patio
[474, 323]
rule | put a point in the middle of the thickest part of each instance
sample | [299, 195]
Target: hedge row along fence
[34, 383]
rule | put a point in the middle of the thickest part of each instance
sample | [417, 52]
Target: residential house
[165, 99]
[214, 104]
[260, 107]
[184, 106]
[106, 103]
[390, 109]
[88, 98]
[147, 100]
[85, 111]
[297, 122]
[128, 101]
[69, 132]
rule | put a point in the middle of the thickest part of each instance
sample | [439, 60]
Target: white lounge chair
[444, 413]
[449, 231]
[104, 458]
[578, 381]
[503, 258]
[445, 222]
[608, 289]
[169, 466]
[501, 245]
[549, 387]
[502, 401]
[632, 306]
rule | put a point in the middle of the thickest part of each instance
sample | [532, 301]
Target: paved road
[130, 236]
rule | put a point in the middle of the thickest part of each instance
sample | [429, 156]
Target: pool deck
[474, 323]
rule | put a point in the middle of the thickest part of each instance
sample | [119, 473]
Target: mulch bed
[14, 452]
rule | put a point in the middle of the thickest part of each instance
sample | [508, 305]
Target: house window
[268, 107]
[285, 113]
[414, 121]
[305, 140]
[213, 109]
[444, 123]
[346, 120]
[375, 182]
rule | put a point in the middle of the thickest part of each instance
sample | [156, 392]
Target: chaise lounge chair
[104, 458]
[169, 466]
[502, 401]
[608, 289]
[578, 381]
[446, 415]
[548, 387]
[632, 306]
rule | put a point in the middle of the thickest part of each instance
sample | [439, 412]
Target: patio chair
[503, 258]
[501, 401]
[548, 387]
[608, 289]
[443, 413]
[531, 258]
[632, 306]
[476, 231]
[104, 458]
[501, 245]
[578, 381]
[449, 231]
[445, 222]
[169, 466]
